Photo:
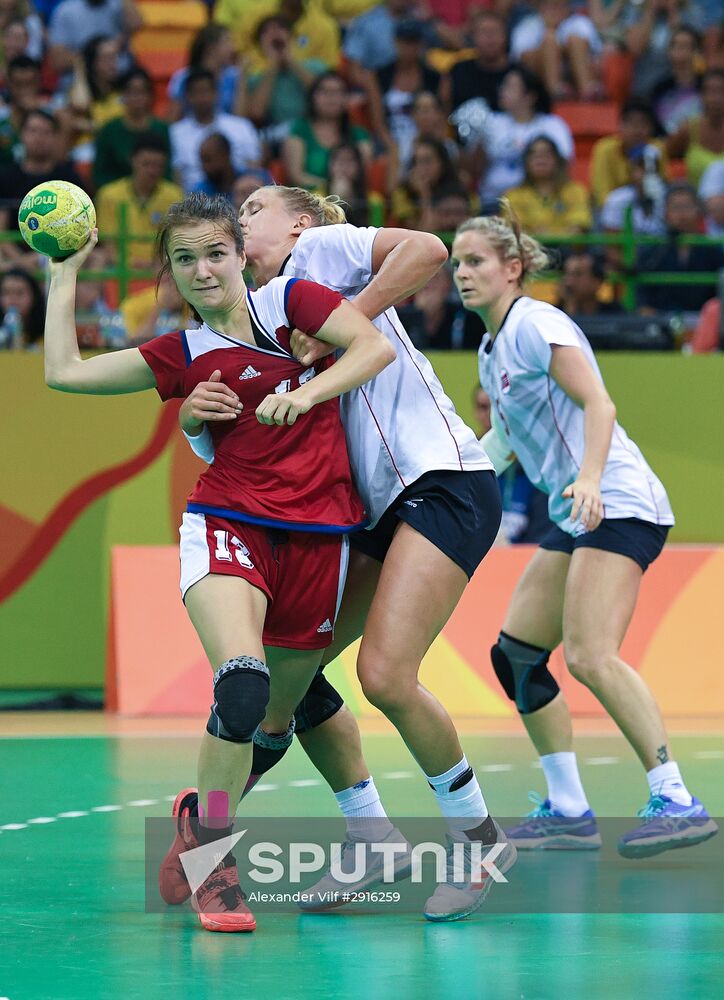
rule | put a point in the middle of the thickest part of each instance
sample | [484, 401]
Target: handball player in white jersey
[551, 410]
[428, 487]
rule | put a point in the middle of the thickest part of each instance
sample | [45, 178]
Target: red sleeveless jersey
[296, 477]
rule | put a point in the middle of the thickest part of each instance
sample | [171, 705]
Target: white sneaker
[454, 899]
[330, 893]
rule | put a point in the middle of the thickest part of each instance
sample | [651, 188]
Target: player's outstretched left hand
[75, 262]
[587, 502]
[283, 408]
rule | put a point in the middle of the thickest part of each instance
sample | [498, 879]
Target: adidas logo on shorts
[249, 372]
[326, 626]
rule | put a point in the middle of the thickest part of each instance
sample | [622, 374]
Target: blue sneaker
[667, 825]
[545, 829]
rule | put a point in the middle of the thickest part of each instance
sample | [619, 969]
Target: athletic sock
[362, 807]
[665, 779]
[565, 790]
[460, 799]
[215, 826]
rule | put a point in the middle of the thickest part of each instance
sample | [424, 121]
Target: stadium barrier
[629, 277]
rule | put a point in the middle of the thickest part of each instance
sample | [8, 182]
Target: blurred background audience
[600, 121]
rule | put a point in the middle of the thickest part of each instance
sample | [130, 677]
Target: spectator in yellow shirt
[610, 163]
[548, 201]
[315, 31]
[154, 311]
[146, 194]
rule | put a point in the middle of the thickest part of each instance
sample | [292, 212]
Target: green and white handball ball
[56, 218]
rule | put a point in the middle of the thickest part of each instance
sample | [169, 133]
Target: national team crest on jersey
[504, 381]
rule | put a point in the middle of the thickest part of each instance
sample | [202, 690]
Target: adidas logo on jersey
[249, 372]
[326, 626]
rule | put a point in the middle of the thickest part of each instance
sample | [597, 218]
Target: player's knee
[320, 703]
[522, 670]
[588, 664]
[383, 690]
[241, 696]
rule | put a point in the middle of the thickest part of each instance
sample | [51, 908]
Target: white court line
[709, 754]
[311, 782]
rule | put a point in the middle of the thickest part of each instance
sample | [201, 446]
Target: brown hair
[561, 175]
[194, 209]
[325, 210]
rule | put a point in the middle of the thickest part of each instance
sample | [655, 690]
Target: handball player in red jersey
[434, 507]
[265, 530]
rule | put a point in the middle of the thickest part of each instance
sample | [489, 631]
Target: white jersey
[401, 424]
[545, 428]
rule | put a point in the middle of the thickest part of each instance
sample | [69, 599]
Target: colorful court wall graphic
[156, 665]
[82, 474]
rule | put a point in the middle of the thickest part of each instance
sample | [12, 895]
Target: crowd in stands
[591, 117]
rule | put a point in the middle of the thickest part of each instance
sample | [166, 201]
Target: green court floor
[74, 926]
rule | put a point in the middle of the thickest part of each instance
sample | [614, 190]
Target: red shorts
[302, 573]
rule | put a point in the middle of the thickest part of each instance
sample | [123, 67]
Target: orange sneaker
[172, 882]
[219, 901]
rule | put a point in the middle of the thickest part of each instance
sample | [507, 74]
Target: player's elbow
[384, 352]
[433, 249]
[606, 406]
[58, 378]
[54, 378]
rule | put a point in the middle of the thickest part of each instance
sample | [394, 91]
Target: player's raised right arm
[105, 374]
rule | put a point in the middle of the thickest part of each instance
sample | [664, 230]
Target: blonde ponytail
[504, 233]
[324, 210]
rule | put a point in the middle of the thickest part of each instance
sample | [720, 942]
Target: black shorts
[459, 512]
[640, 540]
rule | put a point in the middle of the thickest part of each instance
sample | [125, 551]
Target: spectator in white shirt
[498, 139]
[561, 45]
[204, 120]
[74, 23]
[711, 195]
[644, 198]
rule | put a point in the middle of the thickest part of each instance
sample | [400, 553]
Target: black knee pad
[241, 695]
[320, 703]
[523, 672]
